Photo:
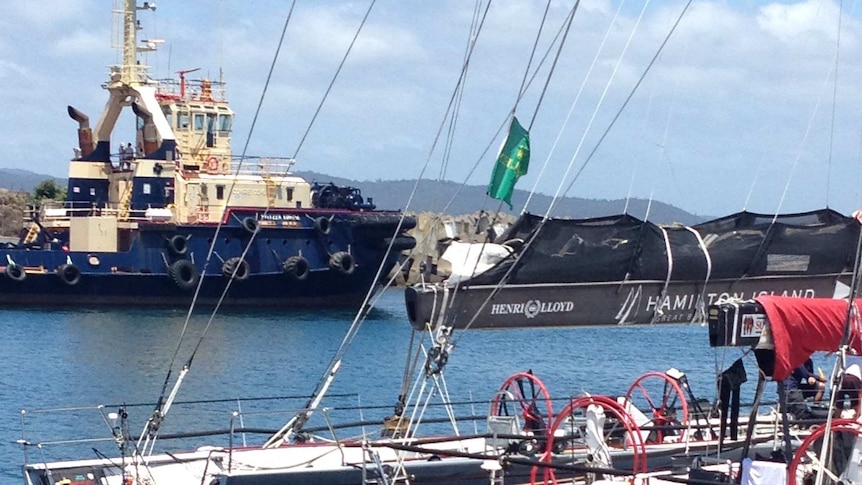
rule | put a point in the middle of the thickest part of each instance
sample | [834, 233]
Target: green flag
[512, 162]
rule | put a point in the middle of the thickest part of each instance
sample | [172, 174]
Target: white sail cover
[470, 259]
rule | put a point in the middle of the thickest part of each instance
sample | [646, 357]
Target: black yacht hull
[596, 304]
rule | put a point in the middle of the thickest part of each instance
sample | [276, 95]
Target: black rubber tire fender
[243, 270]
[184, 273]
[323, 225]
[342, 262]
[178, 245]
[296, 267]
[16, 272]
[251, 225]
[69, 274]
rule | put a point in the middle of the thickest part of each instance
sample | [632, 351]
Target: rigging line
[297, 421]
[536, 231]
[453, 121]
[663, 149]
[158, 409]
[643, 136]
[332, 82]
[834, 103]
[503, 124]
[629, 97]
[574, 103]
[756, 176]
[522, 87]
[596, 112]
[553, 64]
[446, 114]
[802, 144]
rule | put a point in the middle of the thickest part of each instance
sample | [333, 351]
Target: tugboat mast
[131, 71]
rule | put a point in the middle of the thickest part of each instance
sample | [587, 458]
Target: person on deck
[795, 393]
[812, 385]
[127, 153]
[851, 390]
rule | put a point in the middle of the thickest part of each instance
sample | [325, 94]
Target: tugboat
[144, 224]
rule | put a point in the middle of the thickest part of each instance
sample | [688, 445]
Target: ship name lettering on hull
[688, 302]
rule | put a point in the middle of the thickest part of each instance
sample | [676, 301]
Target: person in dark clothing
[795, 392]
[812, 385]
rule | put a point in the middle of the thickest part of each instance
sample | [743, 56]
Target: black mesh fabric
[809, 243]
[622, 247]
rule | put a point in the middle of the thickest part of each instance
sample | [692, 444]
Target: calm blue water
[87, 357]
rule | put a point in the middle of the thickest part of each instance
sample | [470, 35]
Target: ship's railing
[59, 212]
[194, 89]
[240, 422]
[256, 165]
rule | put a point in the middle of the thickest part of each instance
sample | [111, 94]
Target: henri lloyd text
[532, 308]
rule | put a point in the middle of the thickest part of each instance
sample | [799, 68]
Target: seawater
[84, 357]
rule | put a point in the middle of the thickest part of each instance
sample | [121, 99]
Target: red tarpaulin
[802, 326]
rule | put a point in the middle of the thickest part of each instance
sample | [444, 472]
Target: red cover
[802, 326]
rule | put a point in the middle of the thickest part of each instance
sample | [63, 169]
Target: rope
[332, 82]
[572, 107]
[626, 102]
[554, 63]
[522, 87]
[834, 104]
[158, 410]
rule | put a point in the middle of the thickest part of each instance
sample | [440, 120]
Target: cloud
[738, 82]
[793, 22]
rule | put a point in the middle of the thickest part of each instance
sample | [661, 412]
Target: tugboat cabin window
[289, 193]
[220, 192]
[225, 122]
[183, 120]
[170, 117]
[199, 122]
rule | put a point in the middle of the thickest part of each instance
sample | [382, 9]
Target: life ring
[322, 225]
[296, 267]
[16, 272]
[69, 274]
[250, 224]
[184, 274]
[178, 245]
[212, 165]
[236, 264]
[342, 261]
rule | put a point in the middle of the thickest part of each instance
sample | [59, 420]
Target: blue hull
[162, 264]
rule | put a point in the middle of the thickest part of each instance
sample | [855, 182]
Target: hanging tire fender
[251, 225]
[322, 225]
[342, 262]
[240, 266]
[399, 243]
[69, 274]
[184, 273]
[178, 245]
[296, 267]
[16, 272]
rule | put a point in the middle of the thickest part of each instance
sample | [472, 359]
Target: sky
[750, 104]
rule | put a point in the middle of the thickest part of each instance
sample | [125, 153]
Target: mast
[130, 38]
[131, 72]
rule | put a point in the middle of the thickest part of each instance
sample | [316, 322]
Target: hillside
[393, 194]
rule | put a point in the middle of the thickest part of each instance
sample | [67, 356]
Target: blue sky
[742, 89]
